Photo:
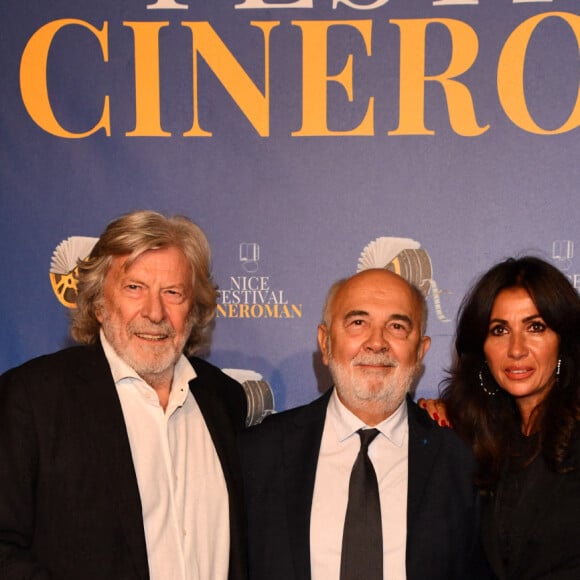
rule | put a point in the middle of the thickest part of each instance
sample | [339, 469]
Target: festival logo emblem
[251, 295]
[562, 253]
[249, 256]
[406, 258]
[64, 267]
[259, 394]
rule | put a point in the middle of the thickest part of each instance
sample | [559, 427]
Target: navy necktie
[362, 540]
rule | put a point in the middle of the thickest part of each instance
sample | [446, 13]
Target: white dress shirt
[181, 484]
[338, 450]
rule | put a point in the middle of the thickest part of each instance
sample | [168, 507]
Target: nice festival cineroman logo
[252, 295]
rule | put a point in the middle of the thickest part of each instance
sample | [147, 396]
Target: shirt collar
[346, 423]
[121, 371]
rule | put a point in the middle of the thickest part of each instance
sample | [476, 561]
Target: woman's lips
[518, 373]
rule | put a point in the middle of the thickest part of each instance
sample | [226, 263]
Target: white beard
[360, 388]
[148, 360]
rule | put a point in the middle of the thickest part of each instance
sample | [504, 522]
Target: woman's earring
[558, 366]
[482, 383]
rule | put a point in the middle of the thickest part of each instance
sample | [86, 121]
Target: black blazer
[69, 501]
[550, 545]
[279, 460]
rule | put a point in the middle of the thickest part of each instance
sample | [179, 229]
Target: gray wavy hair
[131, 235]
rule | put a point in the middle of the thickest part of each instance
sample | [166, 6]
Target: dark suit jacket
[69, 501]
[549, 547]
[279, 460]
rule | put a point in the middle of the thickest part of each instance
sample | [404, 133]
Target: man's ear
[423, 347]
[98, 311]
[323, 342]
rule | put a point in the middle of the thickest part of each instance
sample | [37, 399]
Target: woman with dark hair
[513, 393]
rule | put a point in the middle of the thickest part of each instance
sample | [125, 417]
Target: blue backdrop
[304, 137]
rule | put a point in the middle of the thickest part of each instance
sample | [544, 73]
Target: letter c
[33, 78]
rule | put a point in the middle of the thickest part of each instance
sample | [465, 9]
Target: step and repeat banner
[308, 138]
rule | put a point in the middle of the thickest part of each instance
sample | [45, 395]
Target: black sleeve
[18, 474]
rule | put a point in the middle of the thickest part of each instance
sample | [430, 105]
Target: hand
[436, 410]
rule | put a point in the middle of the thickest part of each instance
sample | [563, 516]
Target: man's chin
[374, 394]
[151, 364]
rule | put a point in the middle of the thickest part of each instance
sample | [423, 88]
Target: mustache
[163, 327]
[375, 359]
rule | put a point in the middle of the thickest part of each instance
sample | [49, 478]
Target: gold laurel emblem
[64, 287]
[404, 257]
[64, 271]
[415, 266]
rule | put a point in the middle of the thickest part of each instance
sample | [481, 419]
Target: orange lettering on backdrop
[464, 44]
[147, 91]
[34, 84]
[254, 104]
[510, 75]
[315, 78]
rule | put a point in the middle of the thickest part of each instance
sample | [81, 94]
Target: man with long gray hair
[118, 457]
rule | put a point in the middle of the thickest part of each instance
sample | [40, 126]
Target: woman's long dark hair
[488, 422]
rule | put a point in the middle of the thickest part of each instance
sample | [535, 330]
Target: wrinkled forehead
[167, 261]
[380, 293]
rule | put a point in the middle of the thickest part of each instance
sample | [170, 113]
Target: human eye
[399, 330]
[537, 326]
[174, 296]
[355, 324]
[497, 330]
[399, 327]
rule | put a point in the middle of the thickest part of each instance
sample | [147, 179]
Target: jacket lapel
[103, 418]
[220, 429]
[224, 440]
[301, 446]
[423, 447]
